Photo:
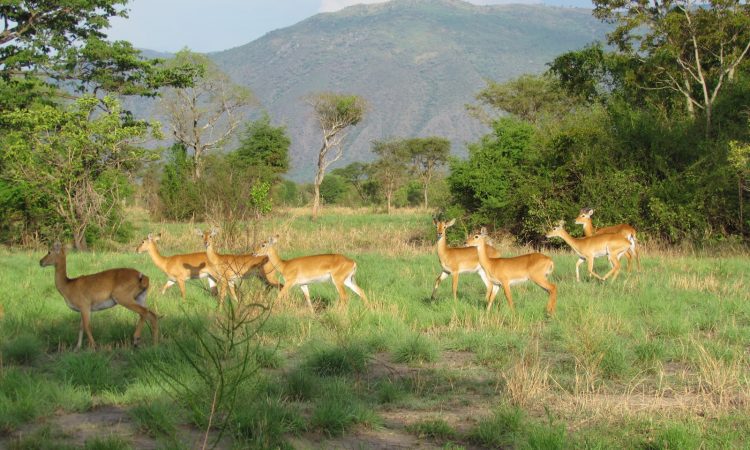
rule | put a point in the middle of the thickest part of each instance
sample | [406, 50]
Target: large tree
[204, 114]
[428, 155]
[263, 150]
[78, 164]
[692, 48]
[335, 114]
[390, 169]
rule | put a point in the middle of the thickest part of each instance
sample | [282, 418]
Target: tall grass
[658, 356]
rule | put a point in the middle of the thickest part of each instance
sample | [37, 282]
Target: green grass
[672, 337]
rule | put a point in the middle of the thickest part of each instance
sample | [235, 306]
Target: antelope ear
[57, 246]
[483, 231]
[150, 237]
[157, 237]
[450, 224]
[273, 239]
[561, 223]
[199, 232]
[434, 221]
[214, 231]
[591, 211]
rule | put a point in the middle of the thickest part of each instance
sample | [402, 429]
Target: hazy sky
[212, 25]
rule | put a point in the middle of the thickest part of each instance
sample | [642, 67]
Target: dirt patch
[375, 439]
[106, 422]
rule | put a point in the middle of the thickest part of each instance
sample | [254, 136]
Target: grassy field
[656, 359]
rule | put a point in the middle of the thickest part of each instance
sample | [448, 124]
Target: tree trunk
[425, 196]
[316, 201]
[388, 201]
[197, 171]
[740, 189]
[79, 240]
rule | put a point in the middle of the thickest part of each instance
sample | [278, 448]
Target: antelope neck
[61, 273]
[275, 260]
[573, 243]
[588, 228]
[156, 257]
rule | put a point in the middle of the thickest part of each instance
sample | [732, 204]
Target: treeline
[653, 131]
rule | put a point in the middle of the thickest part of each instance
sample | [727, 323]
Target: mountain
[417, 63]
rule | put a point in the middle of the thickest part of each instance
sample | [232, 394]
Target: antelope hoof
[136, 342]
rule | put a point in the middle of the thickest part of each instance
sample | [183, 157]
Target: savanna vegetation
[652, 130]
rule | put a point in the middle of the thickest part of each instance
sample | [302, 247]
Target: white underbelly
[317, 279]
[106, 304]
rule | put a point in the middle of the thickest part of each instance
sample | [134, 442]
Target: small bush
[263, 424]
[416, 350]
[339, 409]
[45, 438]
[302, 385]
[155, 418]
[436, 429]
[338, 361]
[388, 392]
[500, 430]
[268, 358]
[24, 349]
[88, 369]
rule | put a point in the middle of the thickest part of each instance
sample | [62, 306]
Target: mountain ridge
[416, 62]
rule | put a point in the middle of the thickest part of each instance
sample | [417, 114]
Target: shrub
[418, 349]
[24, 349]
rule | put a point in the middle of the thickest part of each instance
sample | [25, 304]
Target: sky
[213, 25]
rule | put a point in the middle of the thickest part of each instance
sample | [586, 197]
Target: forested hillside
[416, 62]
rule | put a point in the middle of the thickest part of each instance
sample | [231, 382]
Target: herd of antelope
[129, 287]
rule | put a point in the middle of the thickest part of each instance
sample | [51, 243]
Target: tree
[390, 170]
[207, 112]
[42, 32]
[263, 150]
[355, 174]
[529, 97]
[427, 156]
[335, 114]
[692, 48]
[79, 165]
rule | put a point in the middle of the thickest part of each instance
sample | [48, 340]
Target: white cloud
[335, 5]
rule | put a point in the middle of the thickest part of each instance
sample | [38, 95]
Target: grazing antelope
[311, 269]
[628, 232]
[506, 272]
[589, 248]
[458, 260]
[98, 291]
[230, 268]
[178, 268]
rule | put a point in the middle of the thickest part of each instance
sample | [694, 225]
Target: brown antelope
[231, 268]
[311, 269]
[506, 272]
[589, 248]
[584, 218]
[458, 260]
[178, 268]
[98, 291]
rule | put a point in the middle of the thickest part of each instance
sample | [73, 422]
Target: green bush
[346, 360]
[24, 349]
[416, 349]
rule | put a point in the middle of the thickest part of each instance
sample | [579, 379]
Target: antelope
[584, 218]
[311, 269]
[458, 260]
[589, 248]
[178, 268]
[98, 291]
[506, 272]
[230, 268]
